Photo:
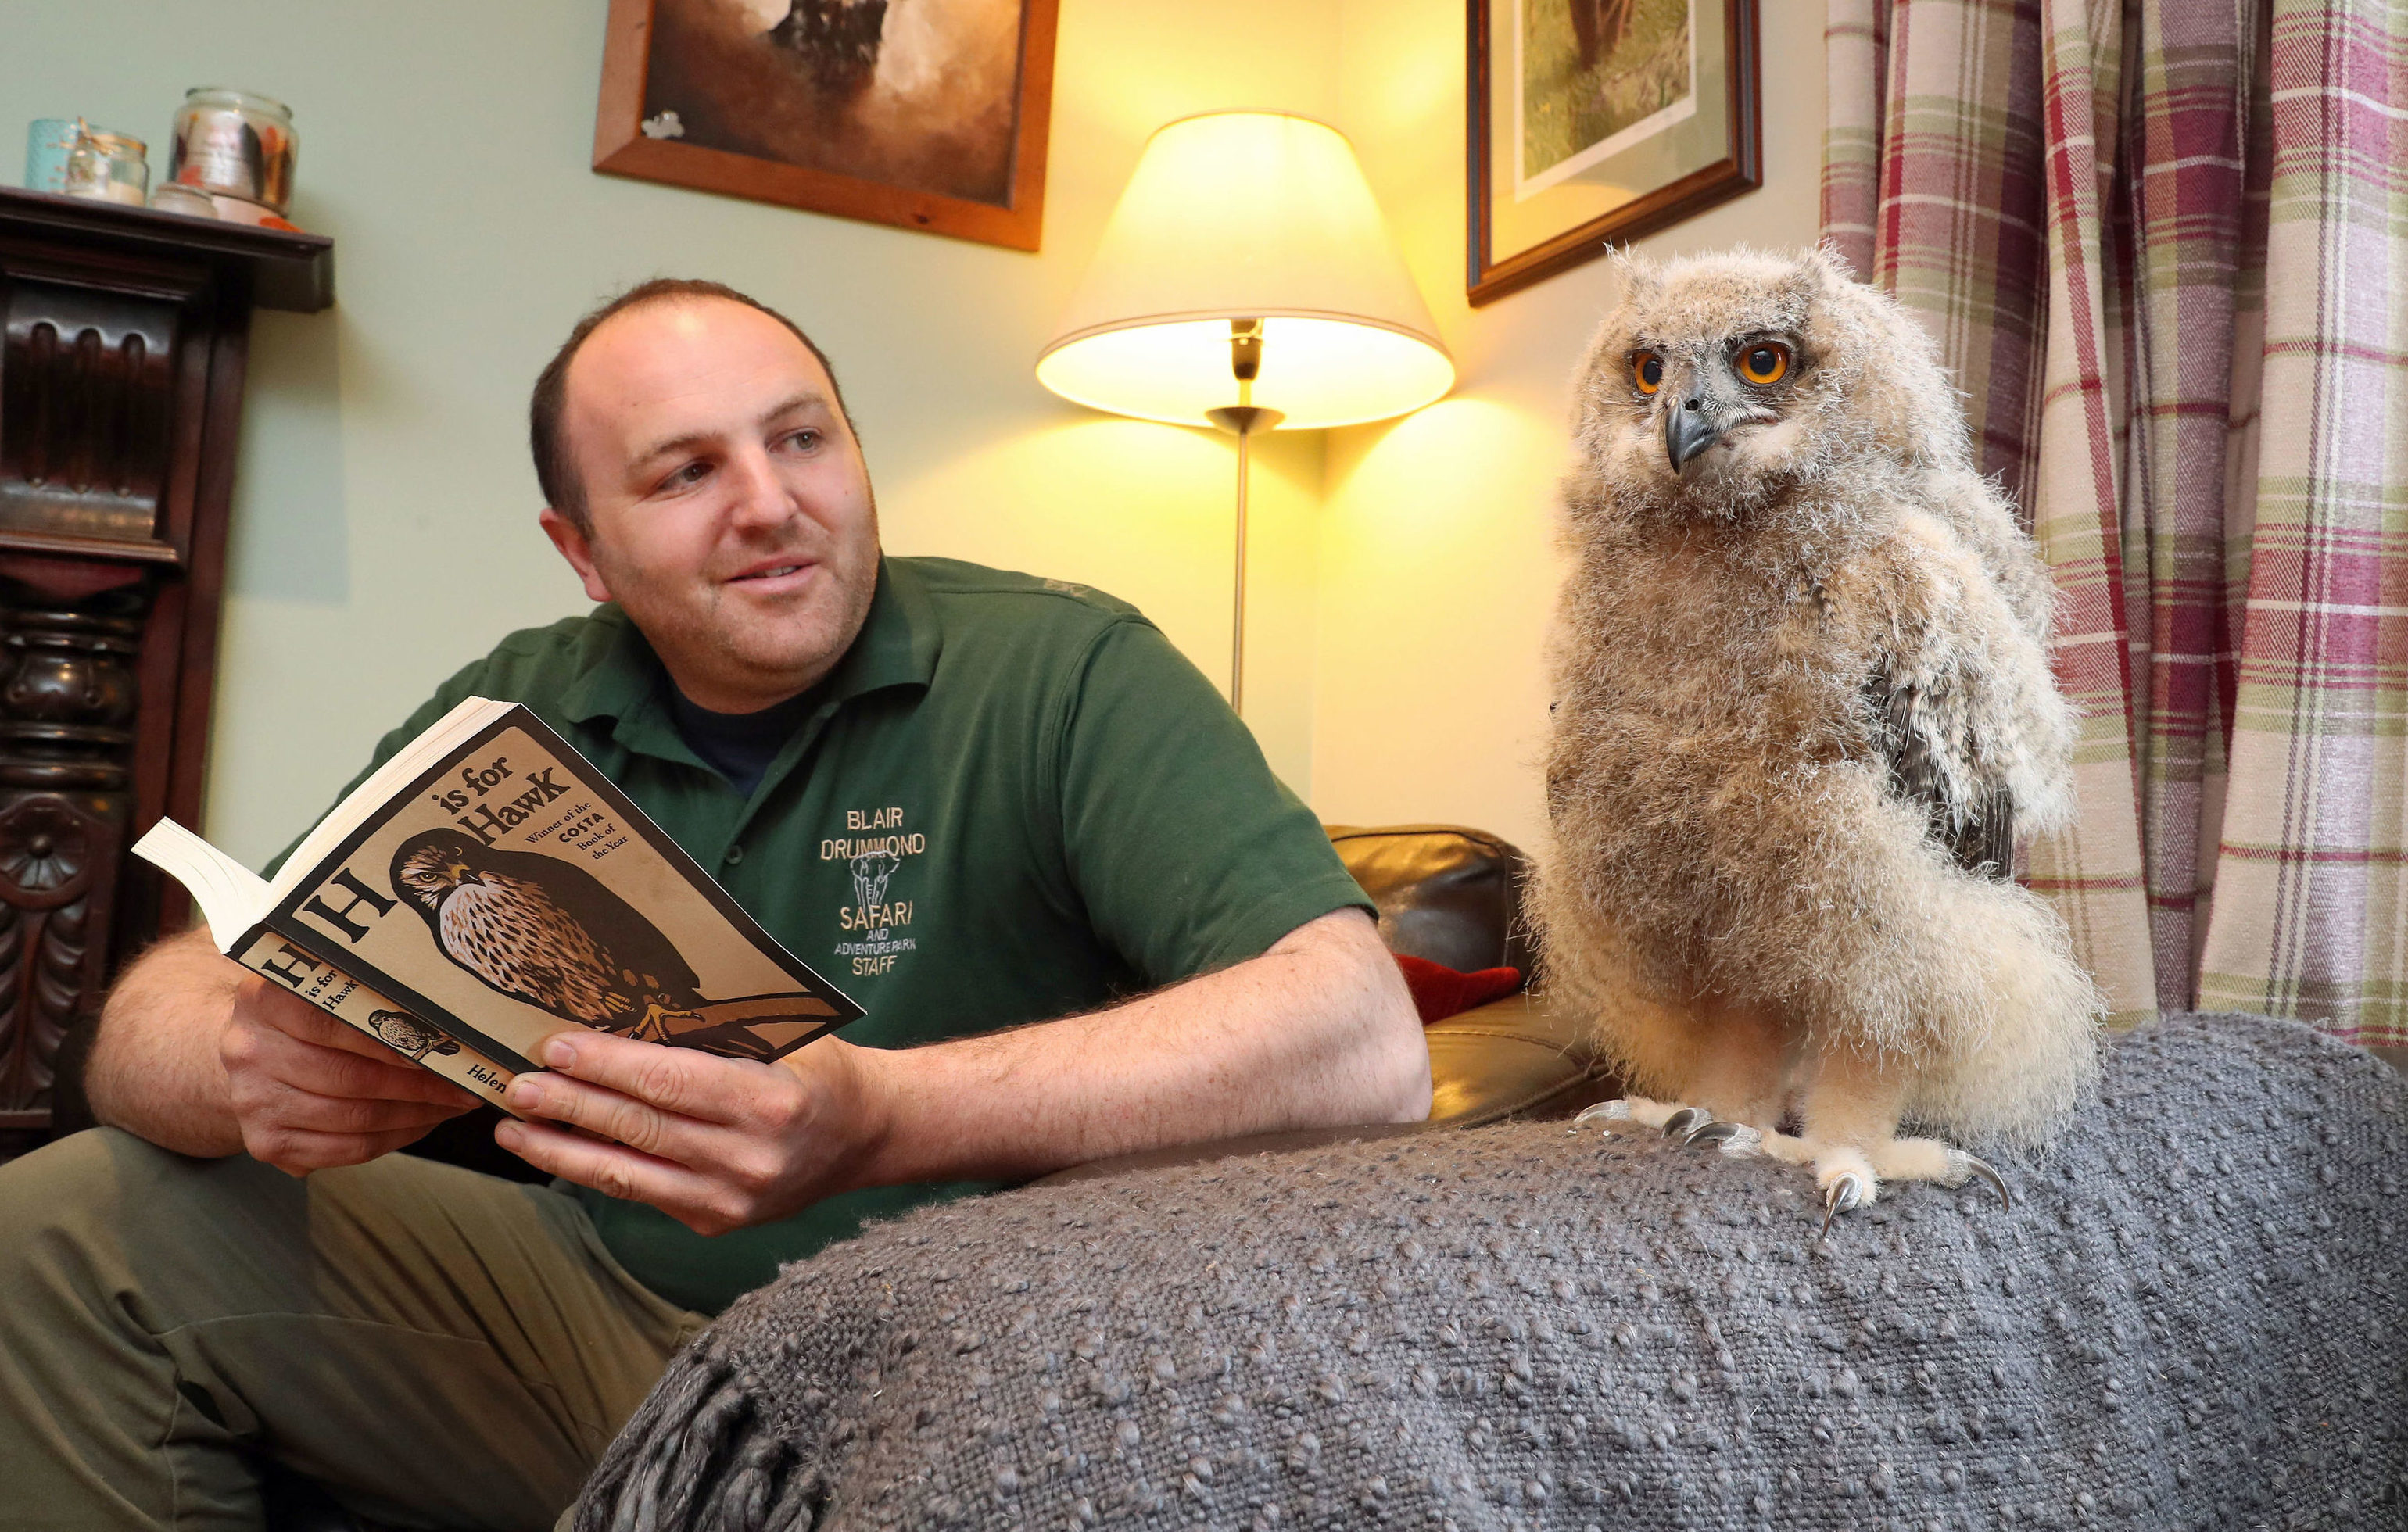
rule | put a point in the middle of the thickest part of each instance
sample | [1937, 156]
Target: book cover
[348, 1000]
[510, 888]
[486, 886]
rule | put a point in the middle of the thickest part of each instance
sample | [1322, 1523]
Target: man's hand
[716, 1143]
[310, 1093]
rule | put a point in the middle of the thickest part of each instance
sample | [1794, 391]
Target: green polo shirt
[1014, 801]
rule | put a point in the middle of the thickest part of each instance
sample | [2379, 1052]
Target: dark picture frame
[630, 141]
[1490, 274]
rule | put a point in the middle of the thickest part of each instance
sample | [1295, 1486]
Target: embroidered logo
[870, 872]
[875, 846]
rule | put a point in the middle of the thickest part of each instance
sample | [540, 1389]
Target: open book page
[513, 890]
[232, 896]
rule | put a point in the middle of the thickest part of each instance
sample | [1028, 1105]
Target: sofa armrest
[1223, 1149]
[1514, 1058]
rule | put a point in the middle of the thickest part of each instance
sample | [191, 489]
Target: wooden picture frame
[1702, 150]
[655, 45]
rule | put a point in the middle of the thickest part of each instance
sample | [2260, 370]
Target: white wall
[1438, 567]
[383, 518]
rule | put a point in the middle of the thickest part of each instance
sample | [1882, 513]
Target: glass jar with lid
[236, 144]
[111, 166]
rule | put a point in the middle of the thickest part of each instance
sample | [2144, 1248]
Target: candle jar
[49, 141]
[234, 144]
[110, 166]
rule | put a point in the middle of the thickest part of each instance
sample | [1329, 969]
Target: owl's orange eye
[1647, 371]
[1765, 362]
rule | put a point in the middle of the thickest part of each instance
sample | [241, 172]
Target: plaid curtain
[2164, 244]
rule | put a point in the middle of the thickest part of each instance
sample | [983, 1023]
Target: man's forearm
[155, 1069]
[1319, 1031]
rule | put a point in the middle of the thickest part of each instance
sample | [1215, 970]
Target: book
[487, 887]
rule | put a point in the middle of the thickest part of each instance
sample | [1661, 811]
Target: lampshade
[1248, 215]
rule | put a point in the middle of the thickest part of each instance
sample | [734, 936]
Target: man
[990, 808]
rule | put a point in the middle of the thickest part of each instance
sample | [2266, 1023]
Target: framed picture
[926, 114]
[1596, 121]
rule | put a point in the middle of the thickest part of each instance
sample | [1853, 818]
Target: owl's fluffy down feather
[1734, 871]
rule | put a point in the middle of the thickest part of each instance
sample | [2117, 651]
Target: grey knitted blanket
[2190, 1318]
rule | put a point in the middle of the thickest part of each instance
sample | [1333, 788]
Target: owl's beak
[1689, 429]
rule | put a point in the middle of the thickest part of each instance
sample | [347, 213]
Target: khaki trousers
[438, 1348]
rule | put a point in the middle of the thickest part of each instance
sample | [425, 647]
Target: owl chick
[1803, 708]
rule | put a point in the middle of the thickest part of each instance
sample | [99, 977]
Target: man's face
[728, 507]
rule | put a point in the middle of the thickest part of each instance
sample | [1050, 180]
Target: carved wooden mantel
[122, 339]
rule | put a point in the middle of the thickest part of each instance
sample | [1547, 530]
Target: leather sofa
[1453, 896]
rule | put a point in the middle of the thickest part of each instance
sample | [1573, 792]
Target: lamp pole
[1242, 420]
[1310, 248]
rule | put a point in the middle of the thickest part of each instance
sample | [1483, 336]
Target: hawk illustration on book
[552, 934]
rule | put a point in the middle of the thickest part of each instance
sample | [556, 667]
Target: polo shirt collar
[897, 646]
[899, 641]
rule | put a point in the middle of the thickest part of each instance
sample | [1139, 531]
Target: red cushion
[1440, 991]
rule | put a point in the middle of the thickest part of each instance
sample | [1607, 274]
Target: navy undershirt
[739, 746]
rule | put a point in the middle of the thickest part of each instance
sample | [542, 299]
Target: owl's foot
[1693, 1126]
[1851, 1177]
[1929, 1159]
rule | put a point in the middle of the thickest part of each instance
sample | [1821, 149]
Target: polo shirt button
[735, 855]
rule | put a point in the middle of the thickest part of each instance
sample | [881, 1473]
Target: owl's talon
[1687, 1121]
[1844, 1194]
[1963, 1167]
[1613, 1116]
[1716, 1132]
[1741, 1142]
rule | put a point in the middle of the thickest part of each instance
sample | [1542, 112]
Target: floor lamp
[1247, 281]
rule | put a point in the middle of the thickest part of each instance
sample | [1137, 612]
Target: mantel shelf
[289, 270]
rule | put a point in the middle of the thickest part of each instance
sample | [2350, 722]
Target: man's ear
[571, 541]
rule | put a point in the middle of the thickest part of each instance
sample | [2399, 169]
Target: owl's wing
[1977, 822]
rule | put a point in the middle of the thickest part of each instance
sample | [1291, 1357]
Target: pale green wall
[383, 520]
